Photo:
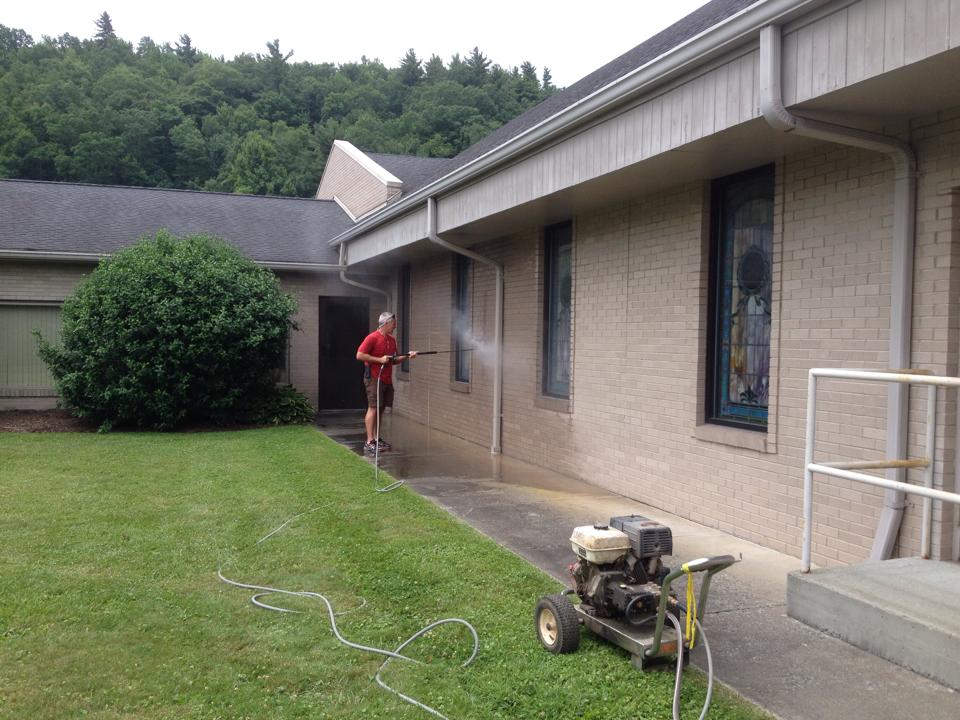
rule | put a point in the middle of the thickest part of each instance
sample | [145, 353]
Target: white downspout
[349, 281]
[497, 317]
[901, 274]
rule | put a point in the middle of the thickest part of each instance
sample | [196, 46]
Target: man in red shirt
[378, 352]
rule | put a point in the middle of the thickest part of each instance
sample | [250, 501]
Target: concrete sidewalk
[787, 668]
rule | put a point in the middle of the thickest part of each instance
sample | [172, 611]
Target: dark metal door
[344, 322]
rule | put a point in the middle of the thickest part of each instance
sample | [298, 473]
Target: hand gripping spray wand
[376, 453]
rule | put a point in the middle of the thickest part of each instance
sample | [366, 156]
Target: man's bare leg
[370, 420]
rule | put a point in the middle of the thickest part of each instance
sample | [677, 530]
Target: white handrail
[846, 470]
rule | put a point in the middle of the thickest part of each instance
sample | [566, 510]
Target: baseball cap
[385, 317]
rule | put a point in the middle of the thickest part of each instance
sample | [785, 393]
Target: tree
[410, 70]
[254, 168]
[547, 84]
[186, 51]
[192, 164]
[277, 64]
[105, 31]
[529, 72]
[169, 331]
[477, 65]
[13, 39]
[434, 70]
[102, 111]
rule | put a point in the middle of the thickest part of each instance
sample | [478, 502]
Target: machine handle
[714, 564]
[711, 566]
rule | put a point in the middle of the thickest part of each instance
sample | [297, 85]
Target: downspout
[435, 238]
[348, 281]
[901, 274]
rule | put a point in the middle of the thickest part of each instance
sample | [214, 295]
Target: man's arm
[365, 357]
[397, 359]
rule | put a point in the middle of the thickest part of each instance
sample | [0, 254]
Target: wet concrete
[791, 670]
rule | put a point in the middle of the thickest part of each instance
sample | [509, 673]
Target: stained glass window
[556, 310]
[743, 236]
[405, 301]
[462, 319]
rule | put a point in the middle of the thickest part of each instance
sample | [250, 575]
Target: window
[740, 312]
[462, 320]
[22, 372]
[556, 310]
[404, 319]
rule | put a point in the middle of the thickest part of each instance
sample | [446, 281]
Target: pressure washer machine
[626, 598]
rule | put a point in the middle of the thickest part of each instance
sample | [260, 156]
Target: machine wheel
[558, 628]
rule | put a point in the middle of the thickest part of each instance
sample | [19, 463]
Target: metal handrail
[847, 470]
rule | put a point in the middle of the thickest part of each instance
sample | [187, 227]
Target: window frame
[554, 237]
[714, 347]
[461, 366]
[406, 298]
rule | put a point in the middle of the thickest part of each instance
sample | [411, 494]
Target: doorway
[344, 323]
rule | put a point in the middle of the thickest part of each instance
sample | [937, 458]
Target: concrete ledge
[735, 437]
[906, 611]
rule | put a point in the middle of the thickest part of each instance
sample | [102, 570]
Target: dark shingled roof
[68, 217]
[693, 24]
[414, 171]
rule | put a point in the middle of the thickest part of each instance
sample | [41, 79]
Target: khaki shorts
[386, 393]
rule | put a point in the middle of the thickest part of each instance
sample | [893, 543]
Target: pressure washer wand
[442, 352]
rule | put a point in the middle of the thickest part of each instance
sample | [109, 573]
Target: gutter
[342, 267]
[51, 256]
[901, 274]
[734, 30]
[435, 238]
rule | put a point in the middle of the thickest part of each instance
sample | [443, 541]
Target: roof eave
[695, 51]
[50, 256]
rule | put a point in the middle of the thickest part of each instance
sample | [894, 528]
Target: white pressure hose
[679, 676]
[376, 456]
[266, 590]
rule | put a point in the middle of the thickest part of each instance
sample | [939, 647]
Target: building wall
[634, 422]
[33, 282]
[306, 288]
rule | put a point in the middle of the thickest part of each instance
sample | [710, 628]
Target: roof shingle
[413, 170]
[69, 217]
[693, 24]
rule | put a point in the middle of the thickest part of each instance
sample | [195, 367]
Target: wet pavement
[789, 669]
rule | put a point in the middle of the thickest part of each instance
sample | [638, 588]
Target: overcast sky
[571, 38]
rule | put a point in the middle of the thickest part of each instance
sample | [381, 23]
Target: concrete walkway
[787, 668]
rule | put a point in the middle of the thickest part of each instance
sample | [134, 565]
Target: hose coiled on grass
[265, 590]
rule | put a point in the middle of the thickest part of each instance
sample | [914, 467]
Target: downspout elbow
[771, 93]
[349, 281]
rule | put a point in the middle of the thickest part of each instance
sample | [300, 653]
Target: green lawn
[110, 606]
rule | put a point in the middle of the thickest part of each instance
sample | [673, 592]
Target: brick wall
[306, 288]
[634, 423]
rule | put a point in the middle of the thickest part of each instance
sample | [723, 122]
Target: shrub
[170, 331]
[285, 406]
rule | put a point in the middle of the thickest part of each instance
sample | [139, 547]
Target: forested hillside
[102, 110]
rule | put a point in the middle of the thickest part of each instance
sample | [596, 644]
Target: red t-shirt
[378, 345]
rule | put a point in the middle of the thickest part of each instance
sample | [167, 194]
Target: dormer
[357, 183]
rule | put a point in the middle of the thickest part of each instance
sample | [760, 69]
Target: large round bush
[171, 330]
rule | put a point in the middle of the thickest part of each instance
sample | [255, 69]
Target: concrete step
[906, 610]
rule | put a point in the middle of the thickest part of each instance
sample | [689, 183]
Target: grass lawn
[110, 606]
